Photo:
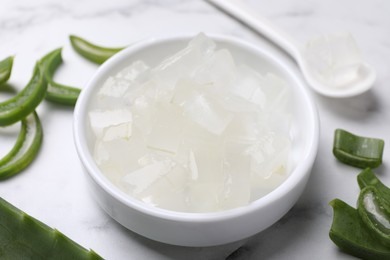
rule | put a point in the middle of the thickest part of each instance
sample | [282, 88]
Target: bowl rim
[298, 173]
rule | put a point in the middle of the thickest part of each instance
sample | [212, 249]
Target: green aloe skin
[358, 151]
[5, 69]
[351, 235]
[364, 232]
[56, 92]
[90, 51]
[24, 237]
[25, 149]
[25, 102]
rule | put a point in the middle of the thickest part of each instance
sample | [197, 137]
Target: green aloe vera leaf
[375, 214]
[25, 149]
[56, 92]
[5, 69]
[350, 234]
[90, 51]
[25, 102]
[356, 150]
[24, 237]
[368, 178]
[18, 144]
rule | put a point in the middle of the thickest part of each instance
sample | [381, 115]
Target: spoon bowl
[361, 84]
[366, 75]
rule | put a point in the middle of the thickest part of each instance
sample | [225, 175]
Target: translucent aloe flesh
[5, 69]
[368, 178]
[90, 51]
[374, 204]
[24, 237]
[374, 212]
[56, 92]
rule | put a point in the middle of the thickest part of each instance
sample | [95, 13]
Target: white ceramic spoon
[366, 74]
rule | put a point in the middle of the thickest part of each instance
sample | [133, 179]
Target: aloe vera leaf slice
[25, 102]
[350, 234]
[6, 69]
[25, 149]
[56, 92]
[90, 51]
[375, 214]
[24, 237]
[17, 146]
[368, 178]
[356, 150]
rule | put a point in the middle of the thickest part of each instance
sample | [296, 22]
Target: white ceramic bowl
[202, 229]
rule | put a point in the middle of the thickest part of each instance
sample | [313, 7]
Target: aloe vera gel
[196, 133]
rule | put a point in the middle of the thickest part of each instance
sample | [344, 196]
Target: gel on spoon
[327, 72]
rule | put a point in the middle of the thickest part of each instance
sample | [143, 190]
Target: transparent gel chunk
[217, 71]
[262, 186]
[99, 119]
[135, 71]
[166, 132]
[168, 191]
[207, 113]
[184, 89]
[247, 86]
[117, 85]
[276, 91]
[269, 155]
[143, 178]
[334, 58]
[119, 156]
[245, 127]
[236, 167]
[184, 62]
[123, 131]
[203, 197]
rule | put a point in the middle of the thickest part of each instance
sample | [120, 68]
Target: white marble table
[53, 188]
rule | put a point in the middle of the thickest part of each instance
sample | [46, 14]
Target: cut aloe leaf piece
[56, 92]
[350, 234]
[25, 102]
[24, 237]
[90, 51]
[374, 212]
[5, 69]
[368, 178]
[25, 149]
[356, 150]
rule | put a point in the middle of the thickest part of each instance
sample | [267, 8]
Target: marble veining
[53, 188]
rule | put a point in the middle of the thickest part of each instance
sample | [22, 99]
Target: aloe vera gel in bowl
[198, 132]
[218, 219]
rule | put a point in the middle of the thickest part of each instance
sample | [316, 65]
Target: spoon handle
[260, 24]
